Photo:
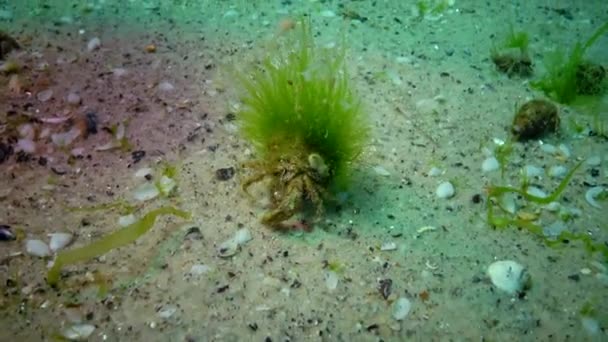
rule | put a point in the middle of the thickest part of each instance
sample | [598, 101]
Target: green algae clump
[304, 120]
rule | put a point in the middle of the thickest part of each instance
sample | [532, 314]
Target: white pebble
[379, 170]
[25, 145]
[119, 72]
[59, 240]
[331, 280]
[388, 246]
[558, 171]
[591, 325]
[93, 44]
[242, 236]
[594, 161]
[146, 191]
[328, 14]
[401, 308]
[508, 275]
[167, 311]
[78, 332]
[44, 95]
[37, 248]
[165, 86]
[548, 148]
[199, 269]
[434, 172]
[490, 164]
[564, 150]
[445, 190]
[534, 191]
[73, 99]
[126, 220]
[533, 171]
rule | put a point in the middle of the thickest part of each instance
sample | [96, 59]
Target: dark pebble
[574, 277]
[594, 172]
[42, 161]
[137, 156]
[253, 326]
[224, 174]
[91, 121]
[223, 288]
[5, 151]
[476, 198]
[5, 233]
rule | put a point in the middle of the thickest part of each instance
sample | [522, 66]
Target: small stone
[388, 246]
[199, 269]
[93, 44]
[445, 190]
[167, 311]
[331, 280]
[379, 170]
[434, 172]
[490, 164]
[138, 155]
[73, 99]
[44, 95]
[594, 161]
[150, 48]
[78, 332]
[508, 276]
[165, 86]
[37, 248]
[59, 240]
[5, 233]
[193, 233]
[225, 174]
[401, 308]
[558, 171]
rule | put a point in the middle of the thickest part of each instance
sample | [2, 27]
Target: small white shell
[331, 280]
[490, 164]
[508, 275]
[59, 240]
[591, 194]
[78, 332]
[37, 248]
[401, 308]
[445, 190]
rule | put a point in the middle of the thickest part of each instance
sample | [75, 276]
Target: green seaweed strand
[111, 241]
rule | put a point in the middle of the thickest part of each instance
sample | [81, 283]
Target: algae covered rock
[534, 119]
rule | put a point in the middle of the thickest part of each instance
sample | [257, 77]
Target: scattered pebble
[37, 248]
[165, 86]
[508, 275]
[401, 308]
[554, 229]
[534, 191]
[379, 170]
[434, 172]
[145, 192]
[25, 145]
[225, 173]
[331, 280]
[532, 171]
[44, 95]
[328, 13]
[59, 240]
[591, 325]
[199, 269]
[78, 332]
[445, 190]
[231, 246]
[93, 44]
[558, 171]
[490, 164]
[143, 172]
[167, 311]
[119, 72]
[594, 161]
[73, 99]
[150, 48]
[388, 246]
[126, 220]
